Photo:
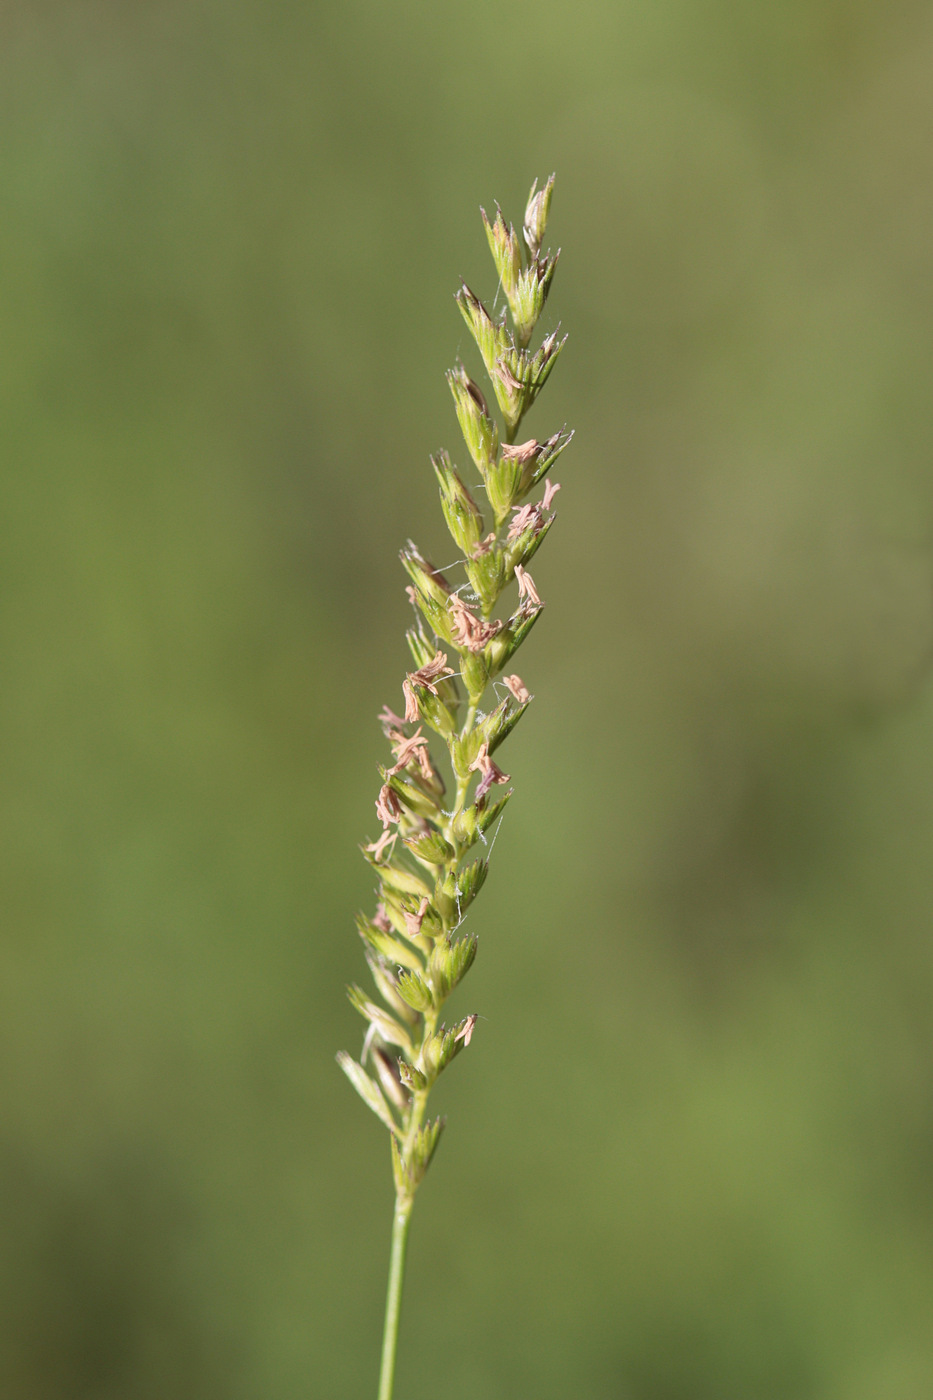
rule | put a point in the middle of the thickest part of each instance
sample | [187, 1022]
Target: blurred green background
[690, 1153]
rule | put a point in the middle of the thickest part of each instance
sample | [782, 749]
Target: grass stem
[394, 1298]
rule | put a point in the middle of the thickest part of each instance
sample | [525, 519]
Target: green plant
[426, 860]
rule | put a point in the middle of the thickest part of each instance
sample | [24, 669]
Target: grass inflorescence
[431, 857]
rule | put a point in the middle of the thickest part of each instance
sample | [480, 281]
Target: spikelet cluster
[431, 858]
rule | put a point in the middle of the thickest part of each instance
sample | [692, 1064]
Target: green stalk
[400, 1224]
[394, 1298]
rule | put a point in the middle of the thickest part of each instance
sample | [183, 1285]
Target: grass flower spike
[431, 858]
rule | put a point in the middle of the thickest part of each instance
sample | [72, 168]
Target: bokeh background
[690, 1153]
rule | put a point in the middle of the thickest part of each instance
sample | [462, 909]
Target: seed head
[426, 880]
